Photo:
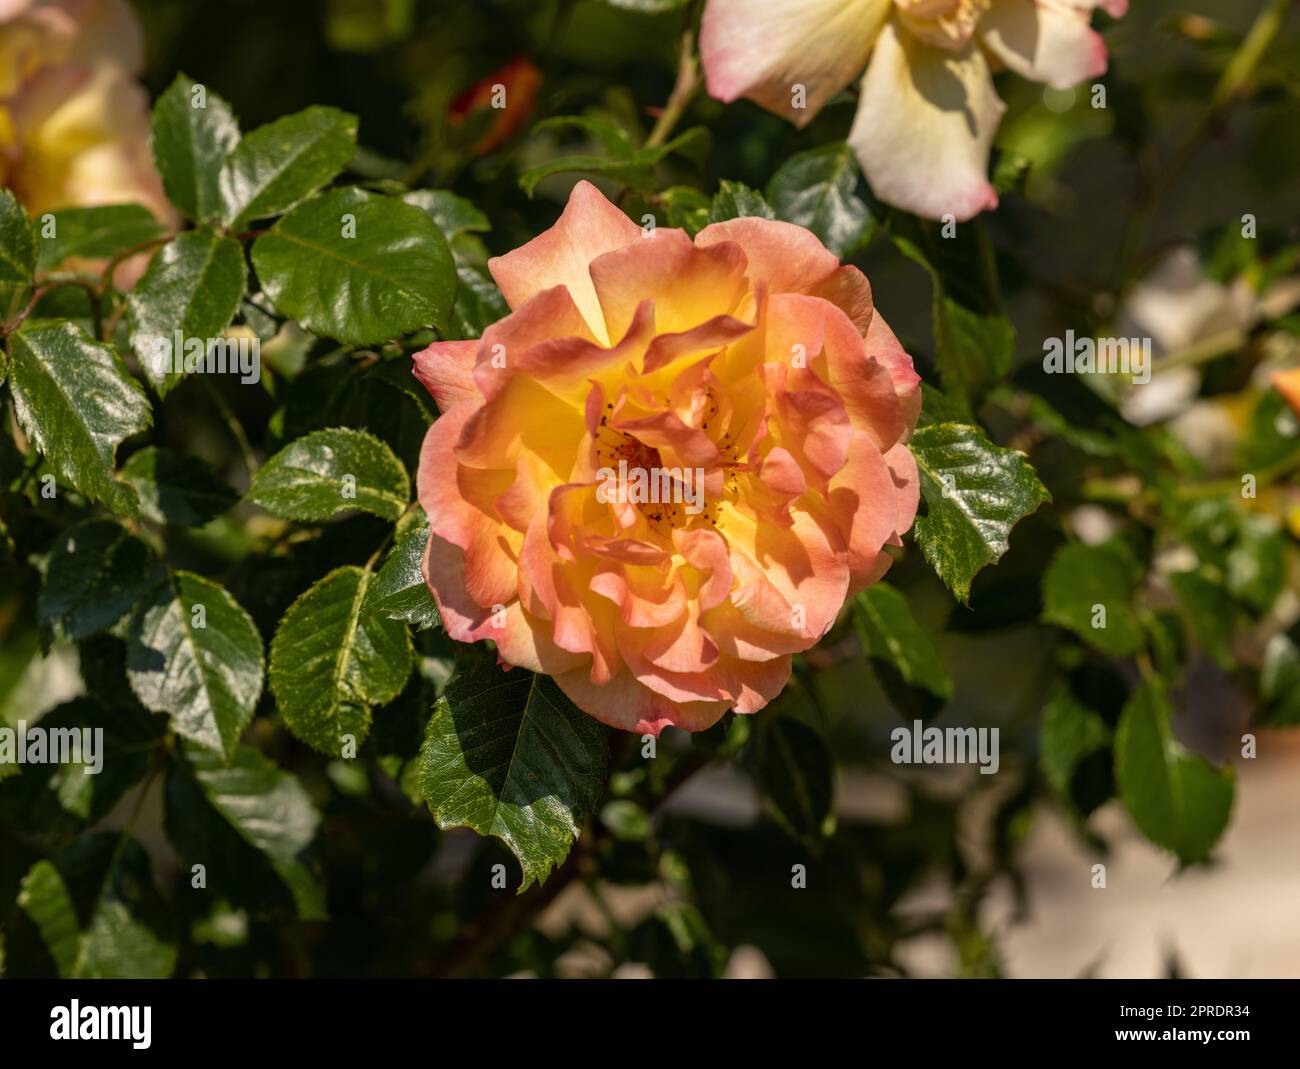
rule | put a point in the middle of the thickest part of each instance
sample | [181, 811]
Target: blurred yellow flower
[74, 121]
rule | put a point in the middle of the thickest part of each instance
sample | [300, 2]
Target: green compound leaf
[194, 653]
[399, 591]
[330, 662]
[193, 131]
[358, 267]
[904, 654]
[95, 233]
[507, 754]
[176, 488]
[96, 573]
[1090, 590]
[98, 912]
[975, 492]
[282, 163]
[1177, 799]
[735, 200]
[77, 403]
[265, 806]
[818, 191]
[327, 471]
[193, 285]
[17, 256]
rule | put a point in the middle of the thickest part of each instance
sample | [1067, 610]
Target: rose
[928, 110]
[74, 121]
[505, 97]
[750, 353]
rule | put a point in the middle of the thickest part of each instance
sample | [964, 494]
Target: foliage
[303, 774]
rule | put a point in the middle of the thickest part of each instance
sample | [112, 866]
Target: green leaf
[96, 233]
[1256, 563]
[906, 660]
[1074, 751]
[734, 200]
[818, 190]
[1177, 799]
[399, 591]
[1010, 172]
[98, 912]
[393, 276]
[975, 492]
[327, 471]
[17, 256]
[77, 403]
[626, 820]
[193, 652]
[687, 208]
[974, 339]
[796, 778]
[282, 163]
[452, 214]
[1279, 682]
[479, 304]
[330, 662]
[190, 145]
[96, 573]
[269, 809]
[1271, 437]
[1210, 611]
[53, 801]
[623, 161]
[176, 488]
[507, 754]
[636, 174]
[1090, 590]
[193, 285]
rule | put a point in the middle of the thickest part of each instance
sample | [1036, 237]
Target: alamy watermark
[652, 486]
[53, 746]
[75, 1021]
[920, 745]
[179, 355]
[1088, 356]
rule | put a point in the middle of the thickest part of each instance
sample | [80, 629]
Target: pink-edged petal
[1048, 41]
[924, 127]
[625, 703]
[763, 49]
[864, 502]
[589, 227]
[788, 258]
[445, 490]
[850, 292]
[907, 487]
[446, 369]
[883, 346]
[688, 284]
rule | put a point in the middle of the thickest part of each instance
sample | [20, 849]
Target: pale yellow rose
[74, 120]
[928, 110]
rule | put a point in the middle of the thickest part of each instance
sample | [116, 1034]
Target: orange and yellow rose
[749, 355]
